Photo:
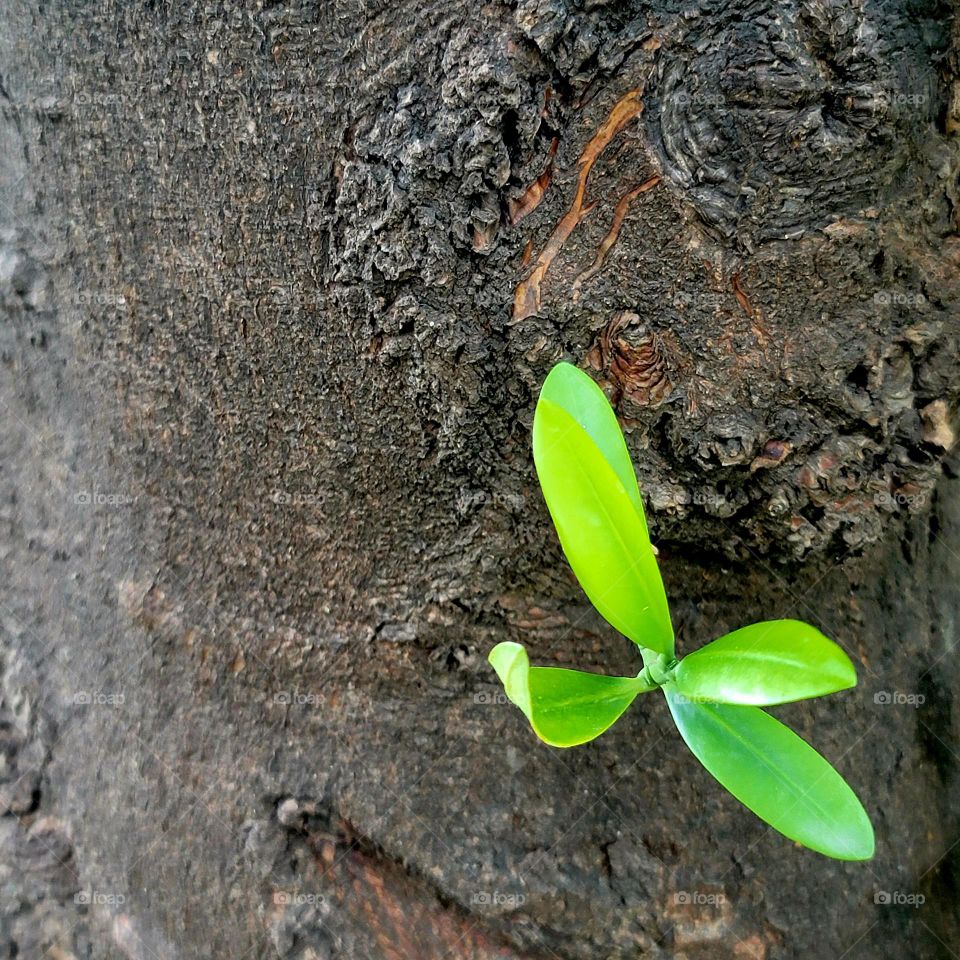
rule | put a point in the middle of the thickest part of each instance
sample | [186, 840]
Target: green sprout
[714, 694]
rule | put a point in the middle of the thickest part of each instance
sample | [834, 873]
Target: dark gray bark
[279, 286]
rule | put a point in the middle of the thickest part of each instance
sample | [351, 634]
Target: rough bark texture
[279, 284]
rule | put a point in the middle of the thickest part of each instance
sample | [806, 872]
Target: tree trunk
[280, 283]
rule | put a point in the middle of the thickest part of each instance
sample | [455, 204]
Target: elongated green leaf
[775, 773]
[576, 393]
[771, 662]
[564, 707]
[601, 532]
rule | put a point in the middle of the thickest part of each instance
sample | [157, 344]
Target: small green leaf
[771, 662]
[513, 668]
[775, 773]
[576, 393]
[602, 534]
[564, 707]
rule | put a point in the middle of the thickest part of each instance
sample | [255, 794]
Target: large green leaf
[577, 393]
[771, 662]
[602, 534]
[775, 773]
[564, 707]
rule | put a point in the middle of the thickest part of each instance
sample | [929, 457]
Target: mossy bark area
[279, 287]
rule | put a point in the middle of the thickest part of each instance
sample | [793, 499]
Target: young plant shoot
[714, 694]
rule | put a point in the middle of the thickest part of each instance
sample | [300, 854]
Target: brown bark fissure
[526, 301]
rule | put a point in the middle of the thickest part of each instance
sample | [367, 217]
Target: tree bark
[279, 285]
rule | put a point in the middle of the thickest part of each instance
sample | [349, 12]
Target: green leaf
[564, 707]
[775, 773]
[578, 395]
[771, 662]
[602, 534]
